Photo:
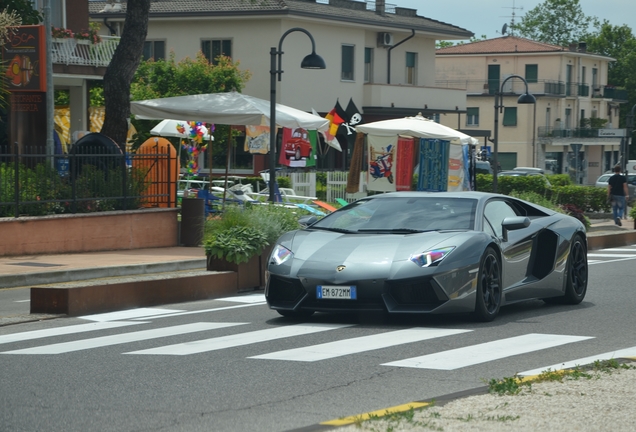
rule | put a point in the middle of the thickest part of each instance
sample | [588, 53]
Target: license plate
[336, 292]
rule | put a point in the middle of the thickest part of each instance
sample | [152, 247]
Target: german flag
[336, 117]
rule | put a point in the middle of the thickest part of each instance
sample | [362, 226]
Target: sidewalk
[19, 273]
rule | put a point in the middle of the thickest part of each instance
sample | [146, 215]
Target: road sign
[576, 147]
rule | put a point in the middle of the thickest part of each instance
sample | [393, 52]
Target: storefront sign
[611, 132]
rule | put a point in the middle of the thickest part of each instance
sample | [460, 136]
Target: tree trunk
[121, 71]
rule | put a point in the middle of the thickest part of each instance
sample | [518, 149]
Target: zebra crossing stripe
[358, 345]
[241, 339]
[117, 339]
[60, 331]
[482, 353]
[612, 255]
[624, 353]
[129, 314]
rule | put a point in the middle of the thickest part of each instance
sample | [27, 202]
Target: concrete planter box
[250, 274]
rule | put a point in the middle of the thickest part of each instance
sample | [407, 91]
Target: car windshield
[402, 215]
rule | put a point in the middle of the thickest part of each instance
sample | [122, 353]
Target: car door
[516, 246]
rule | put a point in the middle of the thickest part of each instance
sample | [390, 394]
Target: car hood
[320, 252]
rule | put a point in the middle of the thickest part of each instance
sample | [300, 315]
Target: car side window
[495, 212]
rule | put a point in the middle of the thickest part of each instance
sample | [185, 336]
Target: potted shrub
[241, 238]
[632, 214]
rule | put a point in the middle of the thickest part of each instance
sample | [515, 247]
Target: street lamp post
[525, 98]
[311, 61]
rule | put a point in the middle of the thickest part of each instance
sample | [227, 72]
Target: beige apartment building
[377, 54]
[572, 128]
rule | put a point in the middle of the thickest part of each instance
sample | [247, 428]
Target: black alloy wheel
[489, 290]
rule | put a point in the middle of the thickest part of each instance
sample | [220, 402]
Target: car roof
[529, 169]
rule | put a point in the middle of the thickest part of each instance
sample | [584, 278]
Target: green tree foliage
[22, 9]
[558, 22]
[168, 78]
[618, 42]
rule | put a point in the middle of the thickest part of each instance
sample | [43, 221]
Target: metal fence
[90, 179]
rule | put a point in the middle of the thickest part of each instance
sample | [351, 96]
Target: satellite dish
[504, 29]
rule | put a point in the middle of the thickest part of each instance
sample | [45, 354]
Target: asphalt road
[234, 365]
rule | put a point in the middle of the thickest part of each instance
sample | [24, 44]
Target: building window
[347, 63]
[583, 74]
[155, 50]
[435, 117]
[472, 116]
[212, 49]
[532, 73]
[368, 65]
[510, 116]
[411, 68]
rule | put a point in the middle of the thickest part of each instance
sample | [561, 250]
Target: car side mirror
[305, 221]
[514, 223]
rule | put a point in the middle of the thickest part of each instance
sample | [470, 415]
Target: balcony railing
[558, 132]
[72, 51]
[541, 87]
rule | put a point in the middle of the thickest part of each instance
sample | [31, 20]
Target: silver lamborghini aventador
[419, 252]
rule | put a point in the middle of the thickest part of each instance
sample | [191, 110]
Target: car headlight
[280, 254]
[431, 257]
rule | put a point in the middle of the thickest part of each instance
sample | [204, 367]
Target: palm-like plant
[7, 21]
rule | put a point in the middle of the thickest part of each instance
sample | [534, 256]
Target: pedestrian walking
[617, 192]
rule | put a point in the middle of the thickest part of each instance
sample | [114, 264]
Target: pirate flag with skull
[347, 129]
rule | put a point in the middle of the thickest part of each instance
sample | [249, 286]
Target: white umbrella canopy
[417, 126]
[169, 128]
[230, 108]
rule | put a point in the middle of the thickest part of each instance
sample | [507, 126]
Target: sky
[487, 17]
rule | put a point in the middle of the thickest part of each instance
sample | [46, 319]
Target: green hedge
[562, 192]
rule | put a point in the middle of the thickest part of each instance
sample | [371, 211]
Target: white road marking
[128, 314]
[252, 298]
[598, 255]
[117, 339]
[201, 311]
[617, 250]
[240, 339]
[358, 345]
[627, 352]
[481, 353]
[59, 331]
[22, 301]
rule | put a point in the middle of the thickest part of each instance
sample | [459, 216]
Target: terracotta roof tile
[504, 44]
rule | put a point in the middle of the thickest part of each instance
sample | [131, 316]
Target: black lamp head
[313, 61]
[527, 98]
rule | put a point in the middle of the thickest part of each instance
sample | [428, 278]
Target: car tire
[296, 314]
[297, 156]
[489, 290]
[576, 274]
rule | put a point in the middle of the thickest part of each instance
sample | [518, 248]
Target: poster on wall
[256, 139]
[298, 148]
[458, 168]
[381, 161]
[433, 172]
[25, 59]
[404, 163]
